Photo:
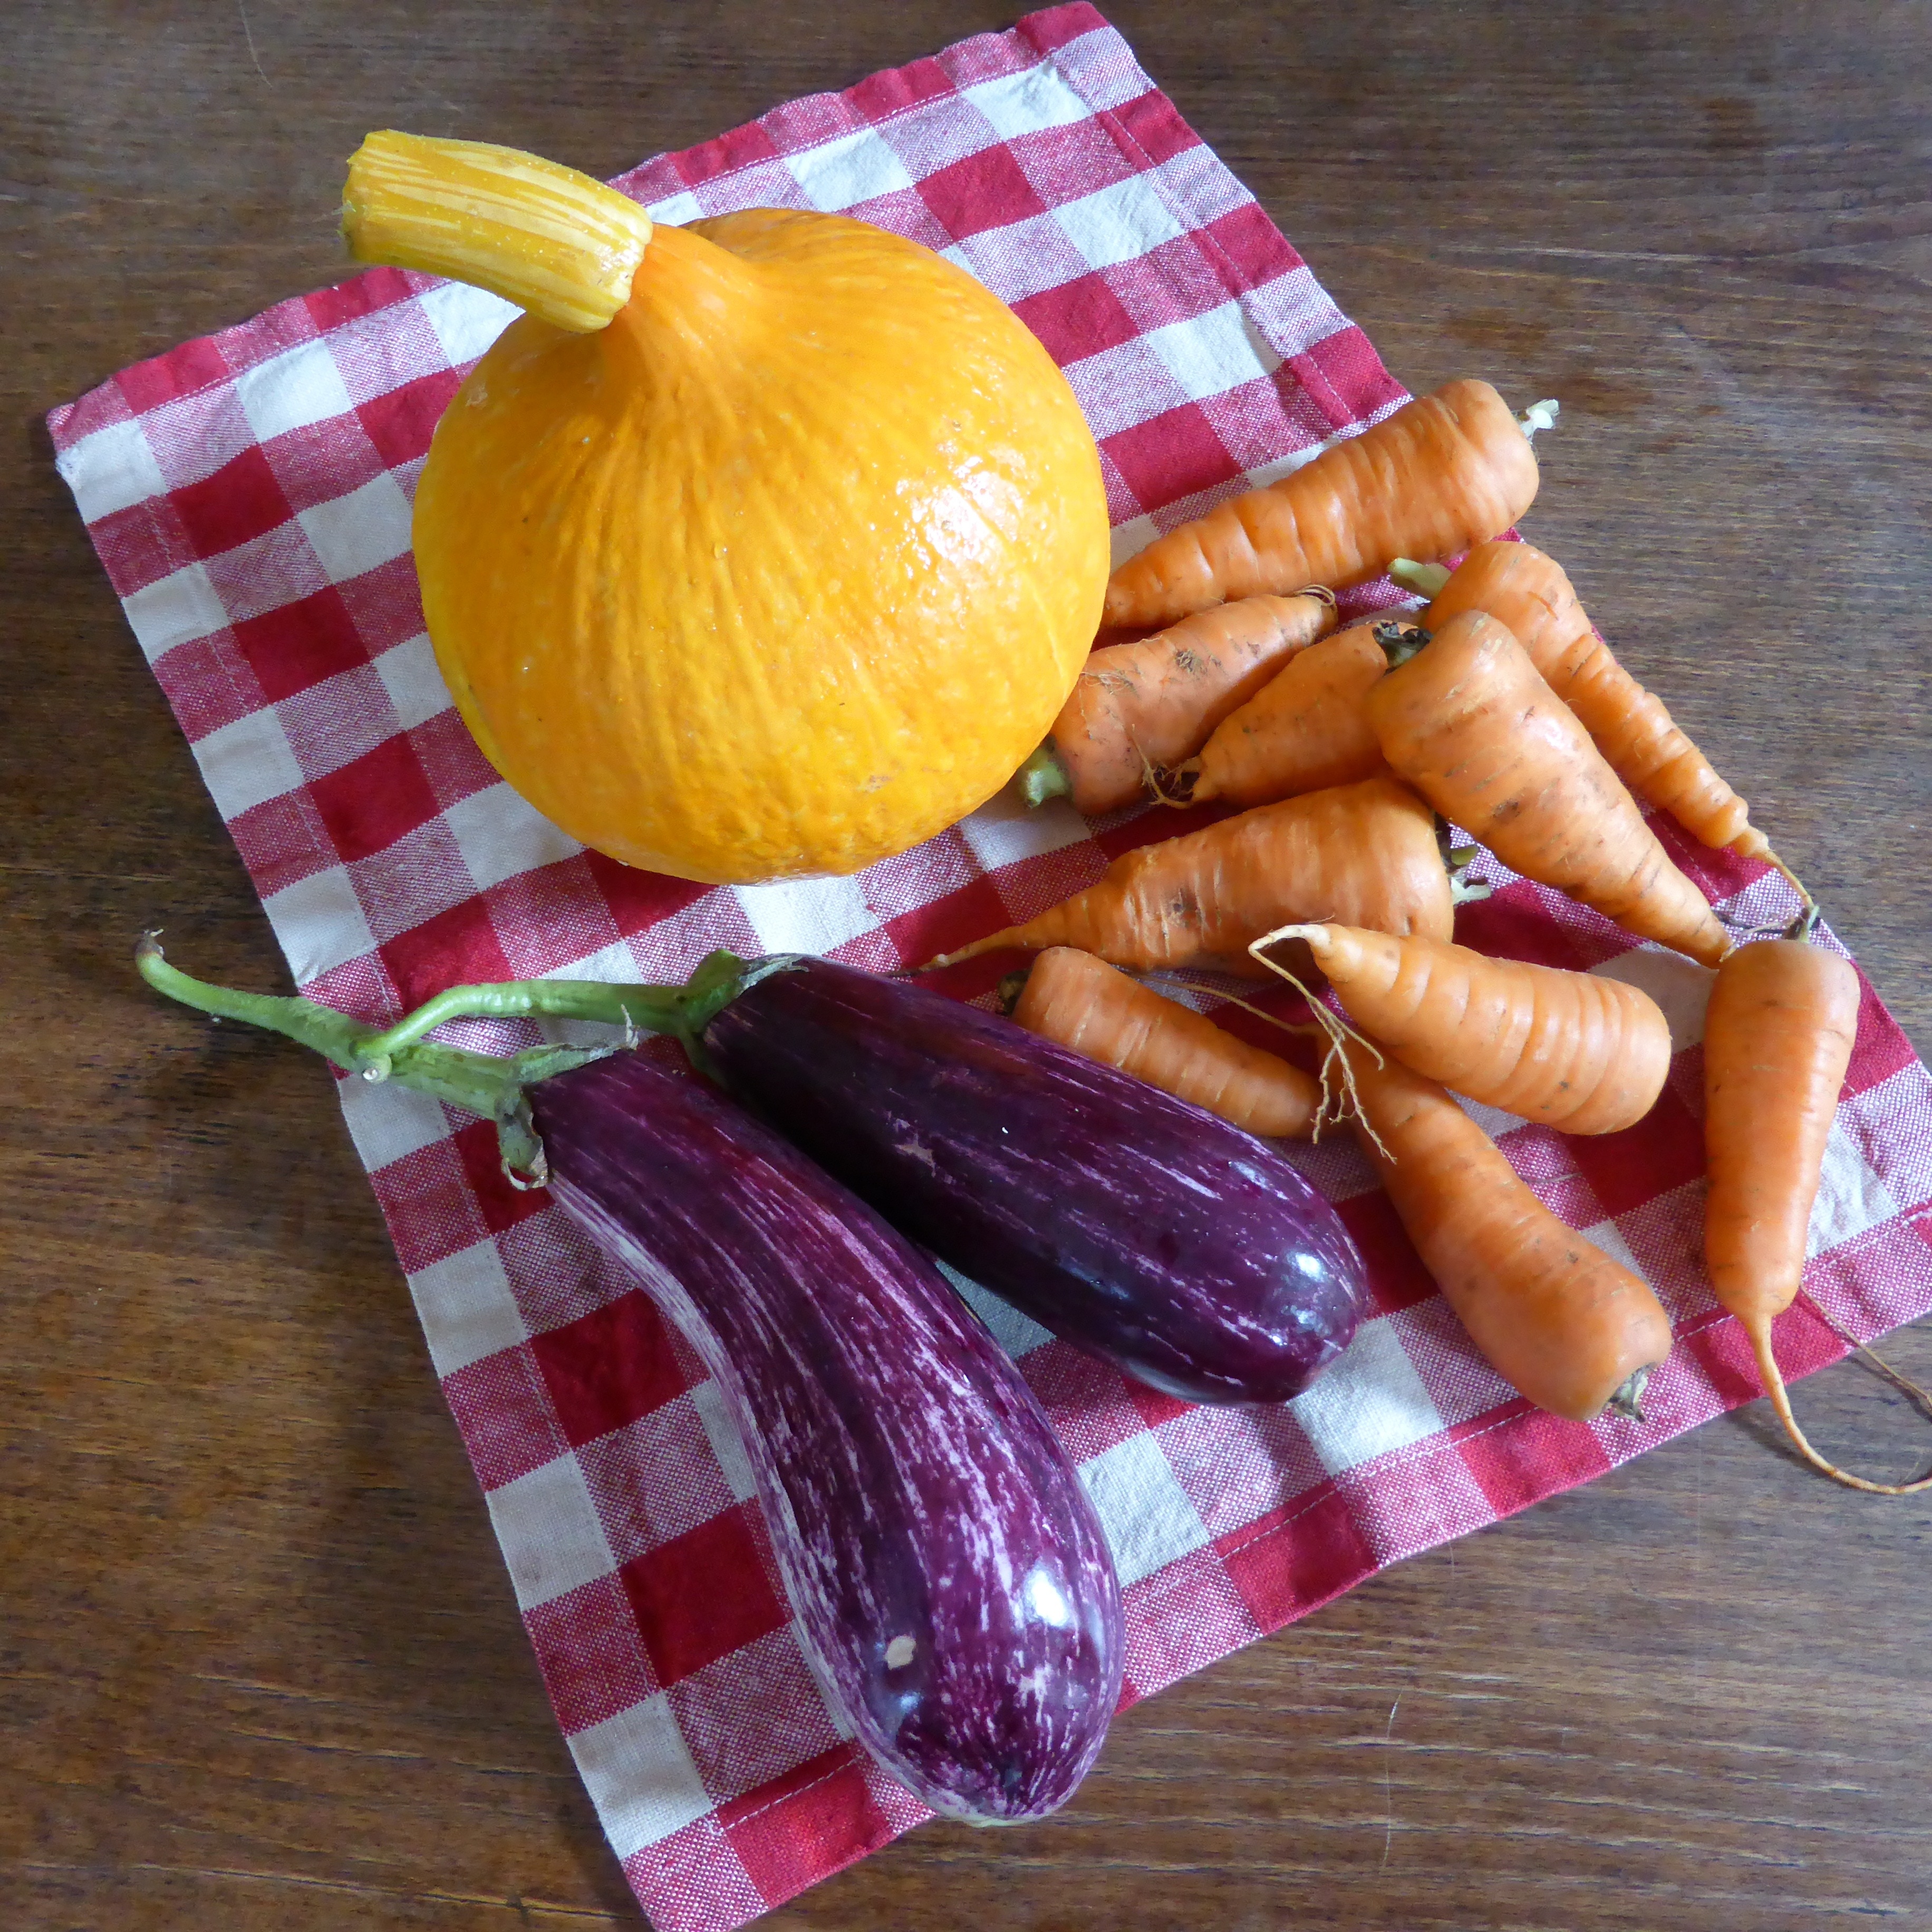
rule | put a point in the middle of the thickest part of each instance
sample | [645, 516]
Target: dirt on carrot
[1365, 854]
[1443, 472]
[1471, 724]
[1138, 705]
[1573, 1051]
[1563, 1323]
[1304, 729]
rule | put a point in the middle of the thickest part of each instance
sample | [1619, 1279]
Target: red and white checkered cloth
[249, 495]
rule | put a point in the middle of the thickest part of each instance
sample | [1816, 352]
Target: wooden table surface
[260, 1662]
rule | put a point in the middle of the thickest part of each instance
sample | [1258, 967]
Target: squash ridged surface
[782, 573]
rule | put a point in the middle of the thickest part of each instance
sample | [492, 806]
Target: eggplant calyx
[496, 1087]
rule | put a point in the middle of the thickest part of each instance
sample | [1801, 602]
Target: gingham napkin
[249, 496]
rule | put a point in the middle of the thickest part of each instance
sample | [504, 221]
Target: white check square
[292, 391]
[552, 1539]
[112, 469]
[639, 1775]
[1370, 1403]
[1149, 1518]
[838, 174]
[464, 1303]
[355, 533]
[247, 762]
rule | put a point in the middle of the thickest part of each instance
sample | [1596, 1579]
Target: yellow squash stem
[1759, 1332]
[552, 241]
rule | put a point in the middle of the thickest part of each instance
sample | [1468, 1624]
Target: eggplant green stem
[497, 1087]
[683, 1012]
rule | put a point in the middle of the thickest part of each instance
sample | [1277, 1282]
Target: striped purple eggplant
[947, 1569]
[1131, 1223]
[1135, 1226]
[944, 1561]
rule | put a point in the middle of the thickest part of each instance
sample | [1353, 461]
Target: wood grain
[258, 1661]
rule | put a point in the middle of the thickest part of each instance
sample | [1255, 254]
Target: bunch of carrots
[1496, 707]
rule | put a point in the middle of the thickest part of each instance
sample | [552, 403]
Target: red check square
[242, 500]
[705, 1594]
[824, 1809]
[301, 644]
[373, 800]
[985, 191]
[609, 1368]
[1172, 456]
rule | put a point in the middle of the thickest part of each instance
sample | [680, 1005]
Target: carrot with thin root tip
[1154, 702]
[1442, 473]
[1531, 593]
[1305, 729]
[1574, 1051]
[1778, 1040]
[1567, 1326]
[1367, 853]
[1096, 1010]
[1469, 721]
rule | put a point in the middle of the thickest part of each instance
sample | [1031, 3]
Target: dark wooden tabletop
[260, 1662]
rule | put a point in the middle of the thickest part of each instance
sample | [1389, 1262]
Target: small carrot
[1777, 1040]
[1521, 587]
[1570, 1050]
[1364, 854]
[1154, 702]
[1565, 1325]
[1442, 473]
[1304, 729]
[1469, 722]
[1096, 1010]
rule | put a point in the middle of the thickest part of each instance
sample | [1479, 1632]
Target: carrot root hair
[1340, 1099]
[1173, 785]
[1179, 979]
[1759, 1333]
[1798, 885]
[1872, 1359]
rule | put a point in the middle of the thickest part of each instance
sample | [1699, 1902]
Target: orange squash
[760, 548]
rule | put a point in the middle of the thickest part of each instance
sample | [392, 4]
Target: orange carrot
[1520, 587]
[1469, 722]
[1778, 1039]
[1365, 854]
[1154, 702]
[1074, 998]
[1564, 1324]
[1303, 731]
[1569, 1050]
[1442, 473]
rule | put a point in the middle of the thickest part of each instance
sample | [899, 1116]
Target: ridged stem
[553, 242]
[683, 1012]
[479, 1083]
